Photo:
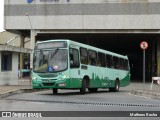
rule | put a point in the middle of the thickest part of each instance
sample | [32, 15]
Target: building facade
[11, 61]
[122, 24]
[9, 69]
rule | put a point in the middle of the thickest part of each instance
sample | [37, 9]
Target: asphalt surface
[103, 100]
[72, 100]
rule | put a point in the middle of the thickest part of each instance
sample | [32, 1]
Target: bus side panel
[110, 76]
[125, 80]
[114, 74]
[104, 75]
[75, 80]
[92, 73]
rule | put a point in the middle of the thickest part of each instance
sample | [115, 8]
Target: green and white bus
[65, 64]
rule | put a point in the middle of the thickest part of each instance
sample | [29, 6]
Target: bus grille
[48, 84]
[48, 80]
[48, 75]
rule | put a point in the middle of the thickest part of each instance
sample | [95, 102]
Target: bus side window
[74, 58]
[109, 61]
[116, 62]
[101, 60]
[122, 65]
[92, 57]
[83, 56]
[126, 65]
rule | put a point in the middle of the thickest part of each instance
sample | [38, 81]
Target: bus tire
[92, 90]
[83, 88]
[116, 87]
[55, 91]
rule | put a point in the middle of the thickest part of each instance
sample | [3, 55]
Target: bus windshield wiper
[52, 56]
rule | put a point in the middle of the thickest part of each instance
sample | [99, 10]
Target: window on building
[84, 56]
[6, 62]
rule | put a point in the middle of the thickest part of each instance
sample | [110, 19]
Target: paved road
[69, 100]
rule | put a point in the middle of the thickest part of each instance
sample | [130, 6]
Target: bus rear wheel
[55, 91]
[92, 90]
[116, 87]
[83, 88]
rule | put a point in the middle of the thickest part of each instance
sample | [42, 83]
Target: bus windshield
[51, 60]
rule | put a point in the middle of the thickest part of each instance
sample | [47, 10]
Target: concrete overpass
[116, 25]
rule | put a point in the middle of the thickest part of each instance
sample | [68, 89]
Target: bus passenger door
[75, 81]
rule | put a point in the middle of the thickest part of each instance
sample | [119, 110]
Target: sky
[1, 15]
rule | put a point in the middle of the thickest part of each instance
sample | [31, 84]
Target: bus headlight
[64, 77]
[34, 78]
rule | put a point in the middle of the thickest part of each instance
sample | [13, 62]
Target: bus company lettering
[104, 84]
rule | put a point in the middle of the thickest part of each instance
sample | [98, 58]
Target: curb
[31, 90]
[17, 91]
[146, 94]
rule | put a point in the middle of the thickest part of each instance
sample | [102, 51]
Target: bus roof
[86, 46]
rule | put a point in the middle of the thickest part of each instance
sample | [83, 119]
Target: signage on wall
[47, 1]
[50, 1]
[29, 1]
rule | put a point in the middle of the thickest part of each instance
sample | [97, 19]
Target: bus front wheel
[83, 88]
[116, 87]
[55, 91]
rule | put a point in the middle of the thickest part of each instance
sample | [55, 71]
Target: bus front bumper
[55, 84]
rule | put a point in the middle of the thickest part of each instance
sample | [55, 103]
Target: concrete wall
[10, 77]
[0, 63]
[82, 14]
[158, 55]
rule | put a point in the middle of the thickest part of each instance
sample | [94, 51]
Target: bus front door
[75, 81]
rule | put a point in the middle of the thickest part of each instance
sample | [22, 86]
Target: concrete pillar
[32, 44]
[158, 56]
[21, 61]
